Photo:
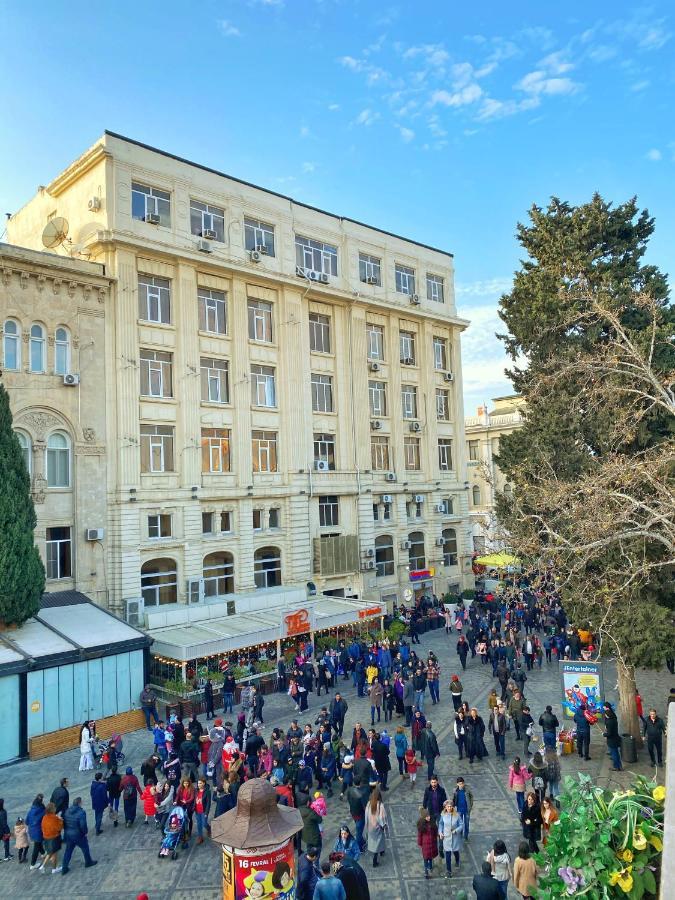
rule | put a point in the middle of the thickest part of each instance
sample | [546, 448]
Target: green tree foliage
[22, 575]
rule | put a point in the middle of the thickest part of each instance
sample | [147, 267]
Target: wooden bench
[53, 742]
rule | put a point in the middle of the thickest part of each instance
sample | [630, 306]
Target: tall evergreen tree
[22, 575]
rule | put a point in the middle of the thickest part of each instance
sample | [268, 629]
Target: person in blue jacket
[75, 834]
[34, 825]
[583, 731]
[99, 799]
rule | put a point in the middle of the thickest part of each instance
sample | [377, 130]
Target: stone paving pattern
[127, 858]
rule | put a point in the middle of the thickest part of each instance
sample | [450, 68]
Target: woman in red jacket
[185, 797]
[427, 840]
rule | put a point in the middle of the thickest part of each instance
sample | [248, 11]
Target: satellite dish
[55, 232]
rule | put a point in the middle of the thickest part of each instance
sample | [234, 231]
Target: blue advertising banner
[581, 681]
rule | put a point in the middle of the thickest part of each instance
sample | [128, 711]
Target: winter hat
[130, 771]
[302, 763]
[348, 758]
[218, 723]
[317, 794]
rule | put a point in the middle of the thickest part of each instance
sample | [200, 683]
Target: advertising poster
[581, 681]
[265, 874]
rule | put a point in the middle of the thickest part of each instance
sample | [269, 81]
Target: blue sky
[442, 121]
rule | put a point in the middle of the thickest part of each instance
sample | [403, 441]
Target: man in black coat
[380, 753]
[253, 743]
[350, 874]
[434, 798]
[338, 711]
[208, 699]
[61, 798]
[429, 749]
[308, 874]
[485, 886]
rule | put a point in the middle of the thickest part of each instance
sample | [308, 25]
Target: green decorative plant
[395, 631]
[606, 845]
[176, 686]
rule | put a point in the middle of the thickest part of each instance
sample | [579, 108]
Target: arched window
[508, 490]
[159, 583]
[218, 574]
[417, 558]
[384, 555]
[449, 536]
[475, 495]
[24, 443]
[267, 567]
[12, 345]
[61, 351]
[37, 348]
[58, 460]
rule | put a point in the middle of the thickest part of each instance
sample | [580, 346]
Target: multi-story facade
[486, 480]
[284, 404]
[53, 317]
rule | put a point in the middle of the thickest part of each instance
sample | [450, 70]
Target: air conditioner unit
[71, 380]
[94, 204]
[390, 476]
[300, 272]
[321, 465]
[415, 300]
[256, 256]
[439, 542]
[419, 498]
[152, 219]
[387, 498]
[134, 611]
[369, 553]
[209, 234]
[94, 534]
[370, 279]
[368, 565]
[405, 545]
[323, 278]
[439, 508]
[415, 426]
[376, 425]
[204, 246]
[312, 274]
[195, 590]
[374, 366]
[449, 376]
[261, 248]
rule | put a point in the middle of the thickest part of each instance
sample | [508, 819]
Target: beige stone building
[486, 480]
[281, 387]
[53, 316]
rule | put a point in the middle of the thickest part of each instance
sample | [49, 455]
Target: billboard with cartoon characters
[265, 874]
[581, 681]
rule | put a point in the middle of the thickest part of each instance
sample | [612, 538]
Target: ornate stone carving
[56, 285]
[24, 279]
[86, 290]
[101, 295]
[89, 449]
[39, 488]
[6, 276]
[89, 435]
[38, 422]
[41, 282]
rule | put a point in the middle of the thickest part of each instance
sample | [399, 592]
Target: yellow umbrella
[499, 560]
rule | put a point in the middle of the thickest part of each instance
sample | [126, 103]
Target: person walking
[552, 773]
[328, 887]
[530, 818]
[515, 708]
[52, 826]
[4, 831]
[583, 731]
[525, 872]
[185, 797]
[538, 770]
[114, 785]
[86, 755]
[400, 745]
[612, 736]
[229, 687]
[548, 722]
[429, 750]
[148, 701]
[485, 885]
[549, 816]
[375, 826]
[346, 843]
[419, 686]
[462, 650]
[338, 710]
[497, 728]
[427, 840]
[308, 874]
[75, 834]
[518, 778]
[34, 825]
[456, 689]
[462, 800]
[60, 797]
[408, 700]
[451, 834]
[475, 732]
[208, 699]
[99, 799]
[202, 807]
[131, 791]
[375, 693]
[654, 731]
[500, 866]
[459, 729]
[21, 841]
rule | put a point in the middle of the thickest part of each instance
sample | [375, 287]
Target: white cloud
[555, 63]
[434, 55]
[333, 106]
[500, 109]
[350, 62]
[469, 94]
[537, 82]
[488, 288]
[653, 155]
[308, 167]
[366, 117]
[640, 85]
[407, 134]
[305, 132]
[228, 29]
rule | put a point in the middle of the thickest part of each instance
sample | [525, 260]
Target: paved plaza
[127, 858]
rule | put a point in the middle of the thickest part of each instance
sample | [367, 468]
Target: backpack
[128, 792]
[538, 783]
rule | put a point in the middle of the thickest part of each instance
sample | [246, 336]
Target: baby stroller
[108, 753]
[173, 831]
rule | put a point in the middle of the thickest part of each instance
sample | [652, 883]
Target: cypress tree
[22, 575]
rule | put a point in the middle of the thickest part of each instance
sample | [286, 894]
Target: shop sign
[297, 621]
[35, 706]
[581, 681]
[421, 574]
[259, 873]
[371, 611]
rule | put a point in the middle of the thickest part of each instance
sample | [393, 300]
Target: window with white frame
[409, 401]
[377, 396]
[379, 453]
[37, 348]
[225, 522]
[386, 511]
[376, 512]
[274, 517]
[259, 236]
[156, 373]
[329, 511]
[263, 386]
[405, 280]
[61, 351]
[324, 449]
[157, 445]
[207, 221]
[260, 321]
[159, 526]
[442, 405]
[147, 202]
[258, 519]
[11, 345]
[218, 574]
[474, 450]
[26, 450]
[58, 460]
[445, 454]
[375, 340]
[215, 380]
[316, 256]
[322, 393]
[215, 450]
[264, 451]
[154, 299]
[475, 495]
[448, 506]
[440, 354]
[435, 288]
[208, 522]
[59, 552]
[267, 567]
[319, 333]
[370, 269]
[406, 344]
[416, 554]
[411, 453]
[212, 310]
[384, 555]
[159, 582]
[449, 536]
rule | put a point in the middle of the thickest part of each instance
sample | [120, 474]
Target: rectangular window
[376, 512]
[215, 450]
[208, 522]
[375, 339]
[215, 380]
[411, 452]
[156, 371]
[377, 396]
[263, 386]
[59, 553]
[148, 203]
[212, 311]
[329, 511]
[322, 393]
[274, 518]
[445, 454]
[157, 443]
[207, 221]
[409, 401]
[315, 256]
[442, 405]
[405, 280]
[258, 519]
[379, 453]
[386, 511]
[225, 522]
[259, 236]
[406, 343]
[324, 449]
[440, 354]
[474, 451]
[264, 449]
[319, 333]
[370, 271]
[435, 288]
[260, 321]
[448, 509]
[154, 299]
[159, 526]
